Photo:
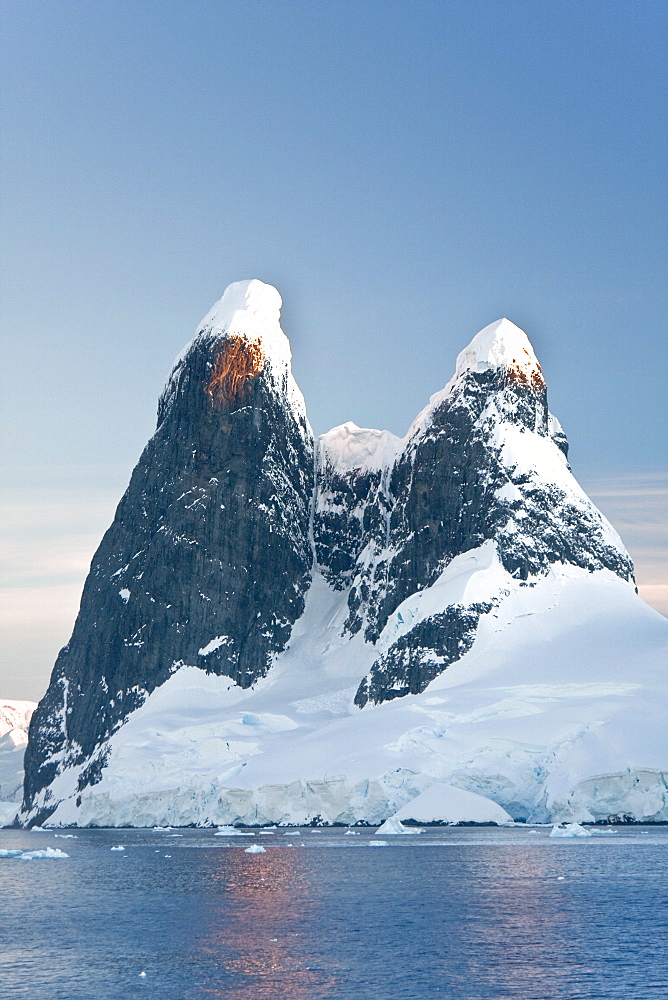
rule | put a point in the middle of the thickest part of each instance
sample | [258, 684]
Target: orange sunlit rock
[528, 376]
[238, 362]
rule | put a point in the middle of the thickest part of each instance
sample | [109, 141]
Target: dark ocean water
[472, 914]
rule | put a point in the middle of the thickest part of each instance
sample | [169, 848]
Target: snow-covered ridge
[348, 447]
[500, 345]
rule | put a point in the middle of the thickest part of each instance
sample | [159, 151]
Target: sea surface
[467, 913]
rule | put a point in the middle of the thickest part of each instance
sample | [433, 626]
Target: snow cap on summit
[250, 307]
[499, 345]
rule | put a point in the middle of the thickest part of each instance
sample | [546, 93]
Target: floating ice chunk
[142, 975]
[570, 830]
[120, 847]
[444, 803]
[255, 849]
[157, 829]
[394, 827]
[351, 833]
[66, 836]
[50, 852]
[266, 833]
[560, 878]
[231, 831]
[124, 595]
[11, 854]
[39, 829]
[377, 843]
[292, 833]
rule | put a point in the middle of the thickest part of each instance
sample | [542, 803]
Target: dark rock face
[206, 563]
[389, 536]
[422, 654]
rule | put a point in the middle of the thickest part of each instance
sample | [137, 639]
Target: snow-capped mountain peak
[502, 344]
[248, 307]
[243, 328]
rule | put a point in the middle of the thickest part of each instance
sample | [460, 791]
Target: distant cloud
[637, 506]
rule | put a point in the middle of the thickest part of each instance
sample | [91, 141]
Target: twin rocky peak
[234, 509]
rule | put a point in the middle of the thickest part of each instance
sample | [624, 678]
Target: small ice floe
[66, 836]
[351, 833]
[377, 843]
[292, 833]
[255, 849]
[168, 855]
[142, 975]
[266, 833]
[560, 878]
[161, 829]
[39, 829]
[394, 826]
[50, 852]
[231, 831]
[570, 830]
[119, 847]
[11, 854]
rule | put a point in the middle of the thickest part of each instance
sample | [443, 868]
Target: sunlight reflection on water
[266, 896]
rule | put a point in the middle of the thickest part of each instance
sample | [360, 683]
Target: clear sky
[404, 172]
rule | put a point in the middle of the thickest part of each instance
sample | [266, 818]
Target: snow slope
[539, 717]
[14, 721]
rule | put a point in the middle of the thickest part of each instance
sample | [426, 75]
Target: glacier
[438, 628]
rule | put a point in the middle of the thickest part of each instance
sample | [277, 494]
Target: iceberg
[394, 827]
[570, 830]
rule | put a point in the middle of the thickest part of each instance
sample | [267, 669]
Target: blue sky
[403, 172]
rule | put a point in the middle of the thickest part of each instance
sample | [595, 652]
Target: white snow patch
[124, 595]
[216, 643]
[349, 447]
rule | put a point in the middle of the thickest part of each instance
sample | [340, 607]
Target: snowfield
[539, 721]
